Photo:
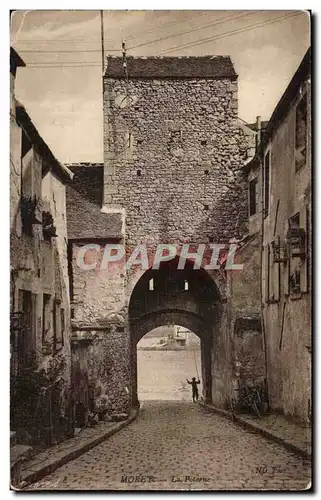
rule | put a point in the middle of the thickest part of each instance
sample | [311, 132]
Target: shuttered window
[304, 268]
[253, 197]
[274, 274]
[266, 183]
[267, 272]
[301, 125]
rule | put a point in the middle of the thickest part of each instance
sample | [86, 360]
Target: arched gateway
[188, 297]
[173, 156]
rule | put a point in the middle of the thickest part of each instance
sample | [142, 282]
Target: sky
[61, 86]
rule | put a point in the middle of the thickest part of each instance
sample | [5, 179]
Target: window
[274, 271]
[26, 337]
[62, 315]
[298, 253]
[175, 139]
[151, 285]
[295, 277]
[57, 324]
[266, 183]
[301, 123]
[186, 285]
[46, 319]
[176, 136]
[267, 272]
[252, 196]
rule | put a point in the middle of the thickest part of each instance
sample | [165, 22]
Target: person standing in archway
[194, 384]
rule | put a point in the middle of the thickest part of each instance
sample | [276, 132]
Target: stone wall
[244, 317]
[101, 368]
[172, 173]
[173, 160]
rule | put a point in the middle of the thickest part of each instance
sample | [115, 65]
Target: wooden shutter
[267, 272]
[275, 274]
[304, 268]
[286, 267]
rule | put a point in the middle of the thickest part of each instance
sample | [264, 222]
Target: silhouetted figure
[194, 388]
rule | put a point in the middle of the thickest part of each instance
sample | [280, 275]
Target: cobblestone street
[183, 447]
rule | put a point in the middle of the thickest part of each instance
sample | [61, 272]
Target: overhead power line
[53, 64]
[64, 51]
[227, 34]
[135, 35]
[216, 23]
[58, 40]
[166, 25]
[220, 21]
[97, 65]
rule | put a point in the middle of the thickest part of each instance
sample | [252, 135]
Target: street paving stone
[181, 446]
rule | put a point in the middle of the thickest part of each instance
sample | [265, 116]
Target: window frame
[46, 318]
[253, 183]
[298, 165]
[57, 325]
[266, 182]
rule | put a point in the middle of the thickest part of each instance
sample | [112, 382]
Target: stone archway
[186, 297]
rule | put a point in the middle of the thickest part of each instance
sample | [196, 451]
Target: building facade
[39, 305]
[280, 212]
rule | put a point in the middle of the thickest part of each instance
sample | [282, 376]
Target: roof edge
[287, 97]
[116, 75]
[24, 120]
[15, 60]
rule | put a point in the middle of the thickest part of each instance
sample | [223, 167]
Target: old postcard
[161, 250]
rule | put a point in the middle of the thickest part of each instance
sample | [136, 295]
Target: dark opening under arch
[169, 300]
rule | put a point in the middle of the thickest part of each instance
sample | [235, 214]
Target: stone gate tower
[173, 148]
[172, 173]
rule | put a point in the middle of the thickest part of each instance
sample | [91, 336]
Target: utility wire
[221, 21]
[58, 40]
[166, 25]
[98, 65]
[135, 35]
[227, 34]
[64, 51]
[191, 44]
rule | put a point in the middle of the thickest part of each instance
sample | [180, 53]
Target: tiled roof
[84, 201]
[172, 67]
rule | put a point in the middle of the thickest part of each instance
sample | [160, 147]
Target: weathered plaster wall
[288, 320]
[98, 293]
[101, 367]
[244, 317]
[39, 266]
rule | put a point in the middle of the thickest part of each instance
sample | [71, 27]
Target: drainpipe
[261, 163]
